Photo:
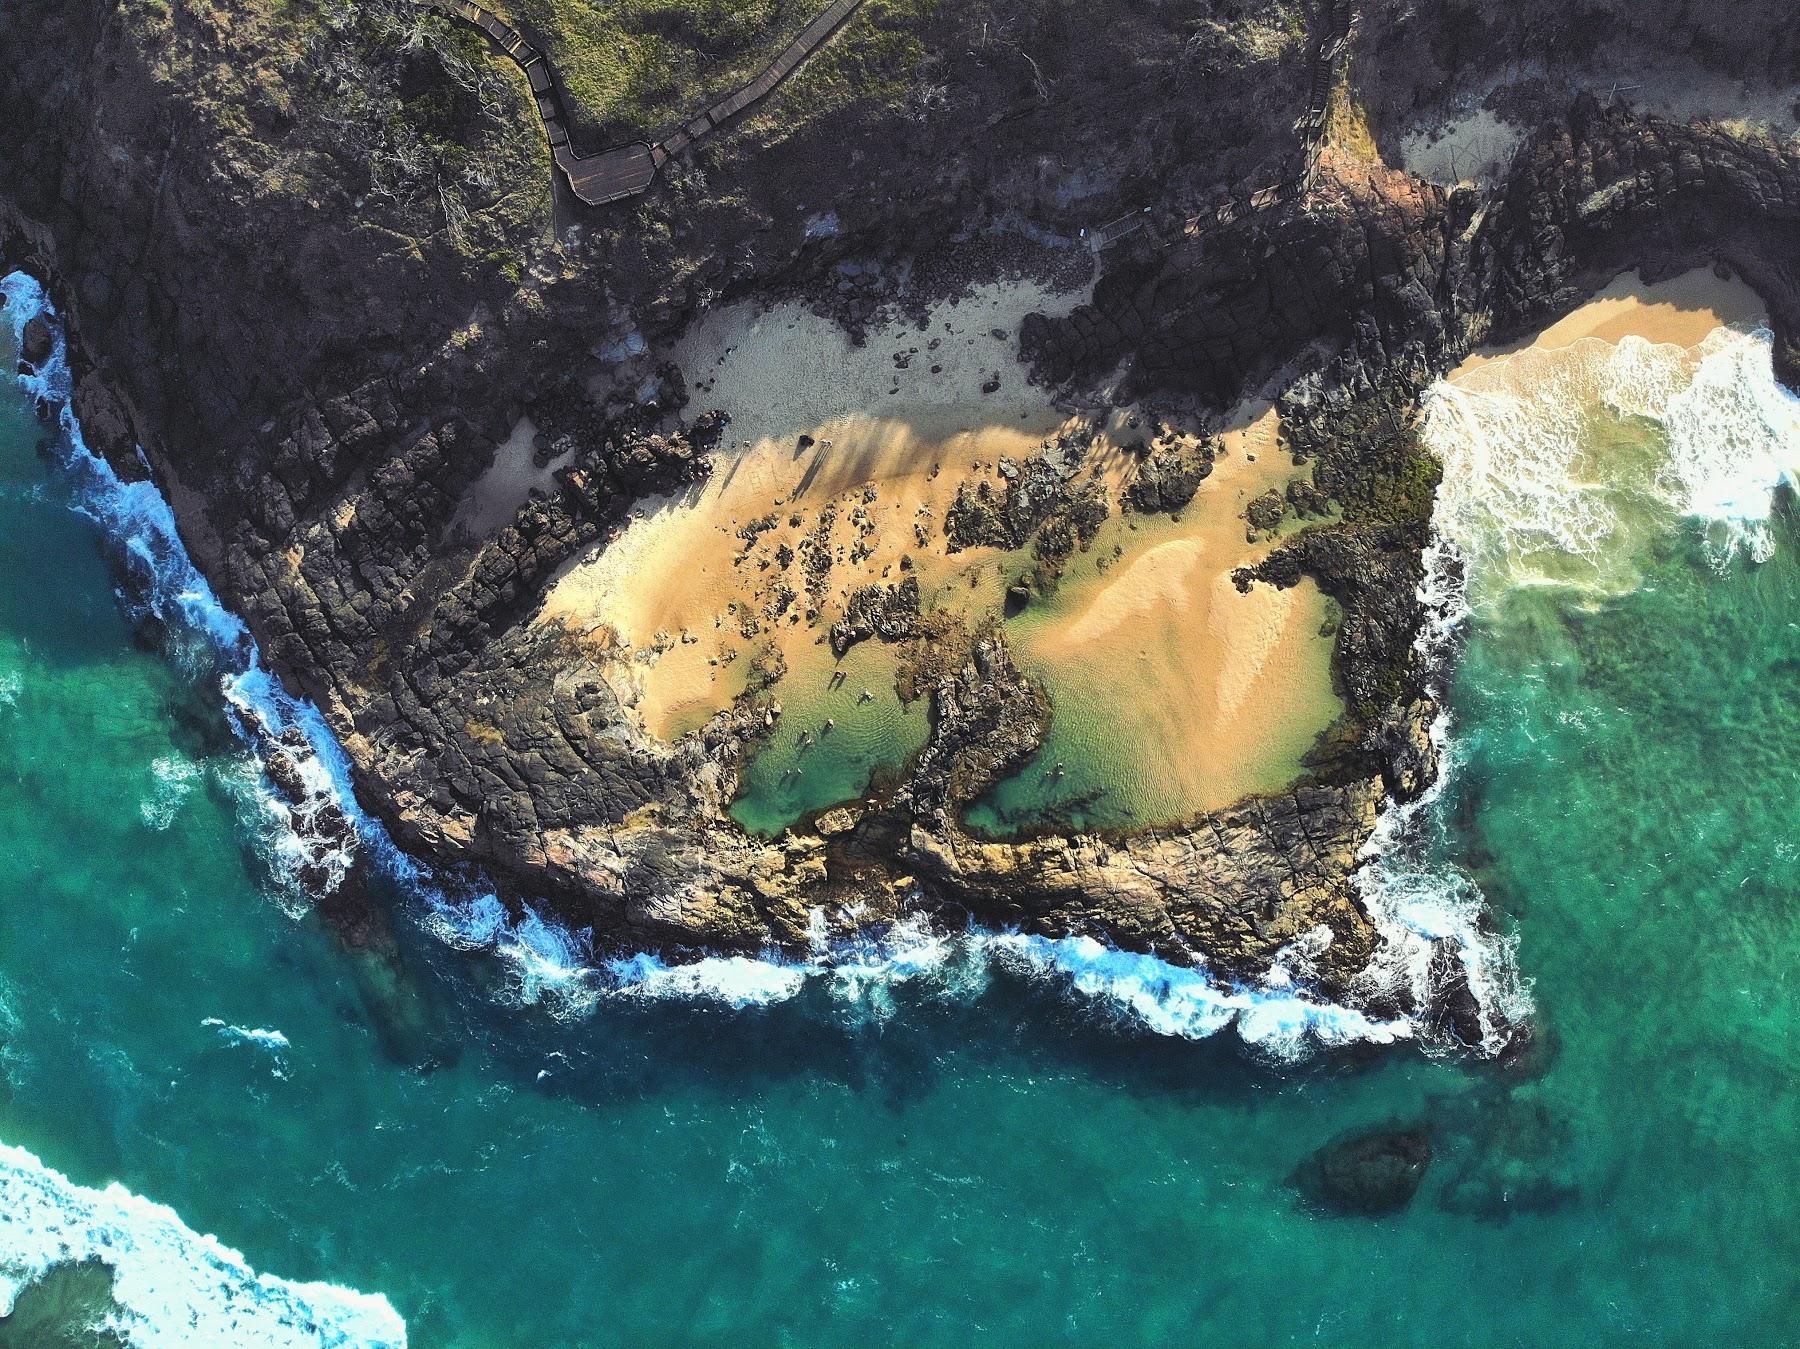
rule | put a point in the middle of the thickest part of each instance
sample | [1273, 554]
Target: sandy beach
[853, 455]
[817, 425]
[1681, 311]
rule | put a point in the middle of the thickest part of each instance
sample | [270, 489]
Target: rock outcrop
[321, 365]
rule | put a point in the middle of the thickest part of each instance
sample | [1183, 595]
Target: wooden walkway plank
[626, 170]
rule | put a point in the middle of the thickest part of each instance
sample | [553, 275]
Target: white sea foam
[173, 1287]
[550, 967]
[1528, 499]
[1417, 900]
[172, 779]
[273, 1041]
[205, 638]
[1274, 1015]
[735, 981]
[1530, 494]
[1734, 437]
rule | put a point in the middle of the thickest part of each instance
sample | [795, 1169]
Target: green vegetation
[423, 123]
[385, 110]
[631, 67]
[880, 57]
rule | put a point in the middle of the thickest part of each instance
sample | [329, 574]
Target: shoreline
[1680, 310]
[611, 830]
[567, 971]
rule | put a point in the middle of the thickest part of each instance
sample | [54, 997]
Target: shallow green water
[966, 1156]
[806, 766]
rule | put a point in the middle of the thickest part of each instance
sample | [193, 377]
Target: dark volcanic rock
[1368, 1173]
[982, 516]
[39, 340]
[1168, 478]
[888, 612]
[987, 719]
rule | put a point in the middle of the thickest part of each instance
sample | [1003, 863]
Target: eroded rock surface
[320, 376]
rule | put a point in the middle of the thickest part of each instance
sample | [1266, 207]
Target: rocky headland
[322, 347]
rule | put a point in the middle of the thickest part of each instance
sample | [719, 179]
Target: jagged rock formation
[1402, 276]
[888, 612]
[1170, 475]
[321, 376]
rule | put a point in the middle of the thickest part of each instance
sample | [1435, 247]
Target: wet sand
[1194, 692]
[1681, 310]
[1176, 692]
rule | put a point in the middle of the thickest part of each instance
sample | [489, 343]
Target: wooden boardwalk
[626, 170]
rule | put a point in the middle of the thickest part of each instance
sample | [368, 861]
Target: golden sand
[1200, 693]
[1681, 310]
[1208, 692]
[681, 579]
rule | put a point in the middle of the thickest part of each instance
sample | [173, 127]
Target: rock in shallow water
[1367, 1173]
[39, 340]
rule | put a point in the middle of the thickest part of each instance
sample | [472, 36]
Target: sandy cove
[1192, 693]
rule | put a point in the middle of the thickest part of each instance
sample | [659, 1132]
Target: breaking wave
[1559, 466]
[201, 635]
[173, 778]
[271, 1043]
[172, 1286]
[548, 966]
[1425, 907]
[865, 975]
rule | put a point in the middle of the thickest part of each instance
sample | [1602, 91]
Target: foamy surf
[269, 1042]
[864, 977]
[204, 638]
[173, 1288]
[1703, 432]
[549, 967]
[1532, 495]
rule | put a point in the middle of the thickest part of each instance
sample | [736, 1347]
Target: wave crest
[172, 1286]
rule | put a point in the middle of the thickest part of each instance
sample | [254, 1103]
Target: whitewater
[754, 1167]
[549, 966]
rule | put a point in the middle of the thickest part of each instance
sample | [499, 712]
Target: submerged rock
[1366, 1174]
[1518, 1157]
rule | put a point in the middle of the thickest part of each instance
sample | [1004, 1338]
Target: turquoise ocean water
[495, 1139]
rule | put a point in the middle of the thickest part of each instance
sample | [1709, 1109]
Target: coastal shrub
[423, 122]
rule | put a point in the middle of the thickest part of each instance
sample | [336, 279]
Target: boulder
[39, 340]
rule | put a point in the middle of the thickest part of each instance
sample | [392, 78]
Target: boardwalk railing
[626, 170]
